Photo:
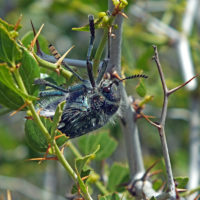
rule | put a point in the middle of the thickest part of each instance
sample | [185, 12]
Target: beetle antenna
[134, 76]
[88, 62]
[118, 79]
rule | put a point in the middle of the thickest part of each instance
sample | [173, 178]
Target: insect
[90, 104]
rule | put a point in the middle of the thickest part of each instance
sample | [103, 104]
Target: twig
[180, 86]
[161, 128]
[170, 179]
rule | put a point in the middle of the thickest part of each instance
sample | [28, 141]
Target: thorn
[58, 136]
[19, 109]
[36, 36]
[58, 70]
[42, 159]
[182, 85]
[156, 172]
[45, 155]
[151, 122]
[146, 174]
[85, 177]
[60, 60]
[18, 22]
[123, 14]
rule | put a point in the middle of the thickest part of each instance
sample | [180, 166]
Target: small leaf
[140, 89]
[80, 162]
[9, 50]
[36, 138]
[57, 118]
[119, 174]
[89, 143]
[182, 182]
[113, 196]
[97, 24]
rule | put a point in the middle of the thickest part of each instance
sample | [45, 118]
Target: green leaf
[36, 138]
[113, 196]
[57, 118]
[9, 50]
[119, 174]
[29, 70]
[89, 143]
[97, 24]
[182, 181]
[140, 89]
[9, 99]
[80, 162]
[6, 78]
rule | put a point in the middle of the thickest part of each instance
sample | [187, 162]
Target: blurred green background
[59, 17]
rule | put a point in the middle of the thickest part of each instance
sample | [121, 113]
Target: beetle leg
[88, 61]
[46, 83]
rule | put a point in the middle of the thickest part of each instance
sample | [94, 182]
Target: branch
[127, 114]
[194, 146]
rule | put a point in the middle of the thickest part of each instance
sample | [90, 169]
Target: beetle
[90, 104]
